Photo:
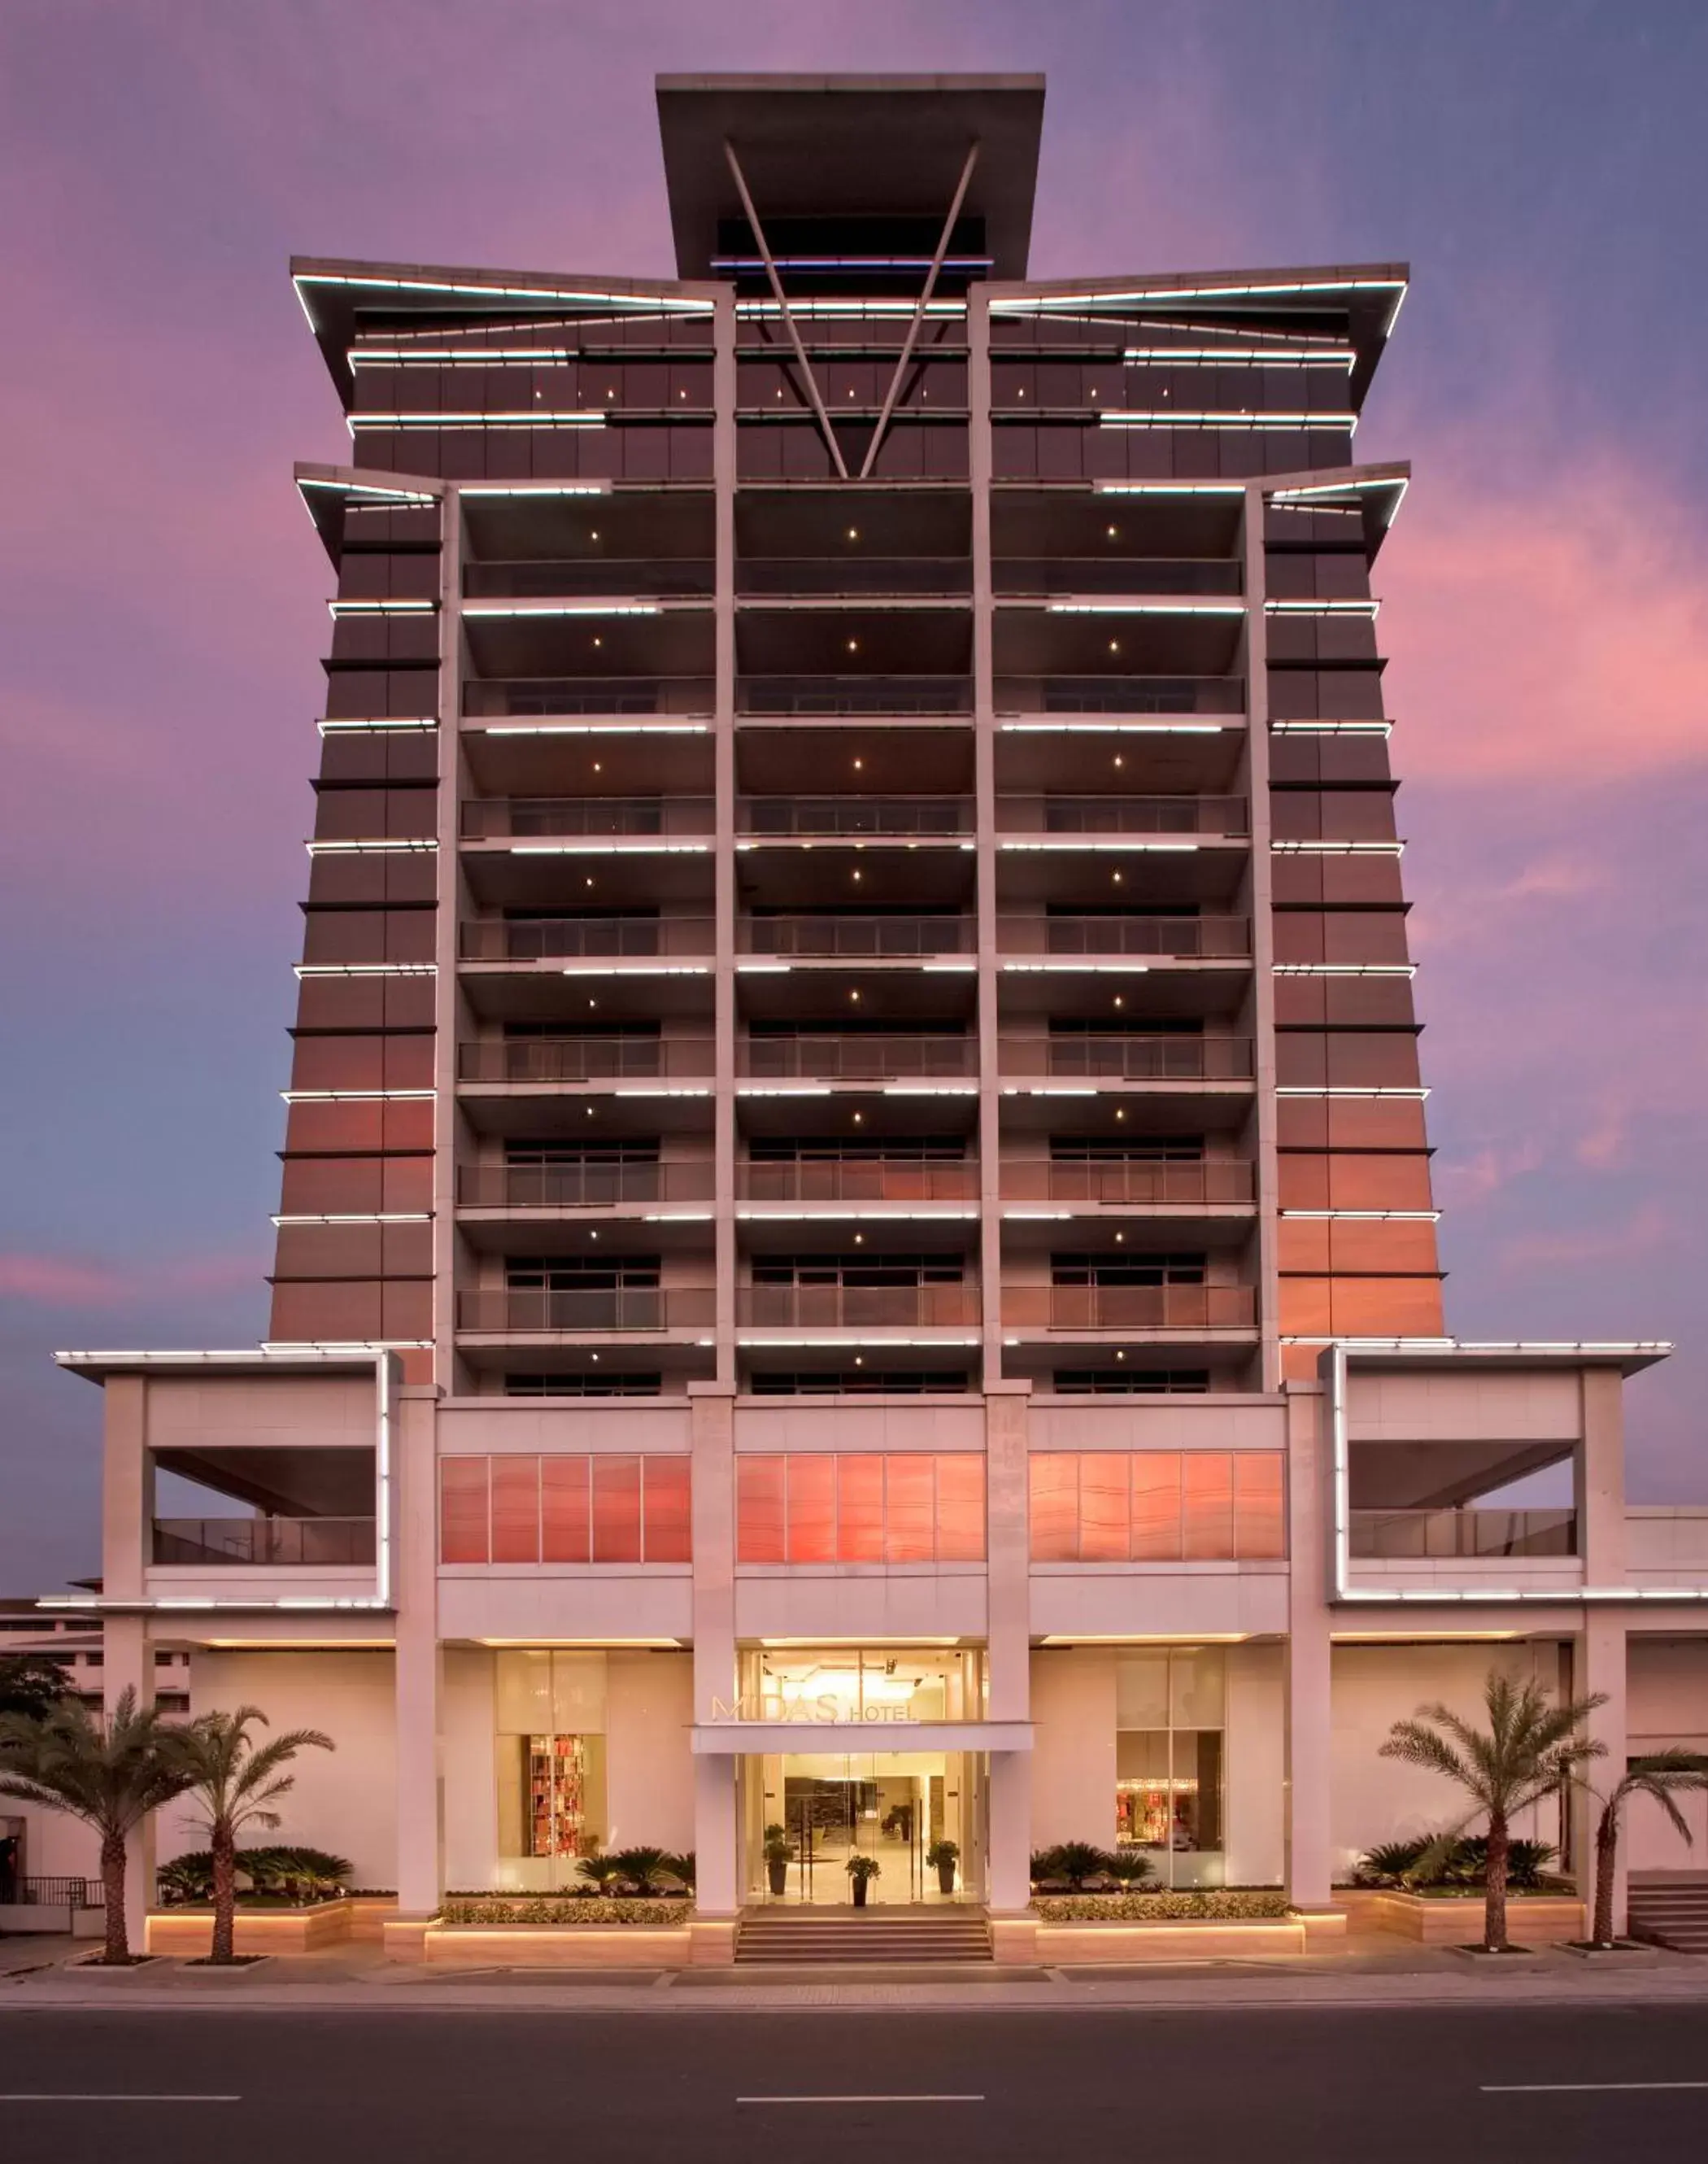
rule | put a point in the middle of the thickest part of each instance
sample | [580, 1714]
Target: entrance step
[1672, 1915]
[830, 1937]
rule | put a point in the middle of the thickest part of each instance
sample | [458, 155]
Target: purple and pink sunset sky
[1542, 165]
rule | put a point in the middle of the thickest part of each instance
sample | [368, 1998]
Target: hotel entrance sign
[827, 1708]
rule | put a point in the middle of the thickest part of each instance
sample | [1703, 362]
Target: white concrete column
[1008, 1637]
[127, 1543]
[715, 1839]
[419, 1667]
[1308, 1699]
[1599, 1471]
[128, 1663]
[1600, 1666]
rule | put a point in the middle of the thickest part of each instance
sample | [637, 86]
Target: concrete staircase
[837, 1937]
[1671, 1913]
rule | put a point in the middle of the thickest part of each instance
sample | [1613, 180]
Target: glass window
[1169, 1761]
[1206, 1500]
[617, 1509]
[1156, 1526]
[666, 1508]
[860, 1509]
[1103, 1506]
[908, 1509]
[564, 1499]
[759, 1524]
[1259, 1535]
[812, 1508]
[462, 1530]
[1054, 1496]
[515, 1509]
[961, 1536]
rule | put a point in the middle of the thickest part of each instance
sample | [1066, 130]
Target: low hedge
[568, 1912]
[1220, 1905]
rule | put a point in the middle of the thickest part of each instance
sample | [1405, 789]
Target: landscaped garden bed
[565, 1912]
[1211, 1904]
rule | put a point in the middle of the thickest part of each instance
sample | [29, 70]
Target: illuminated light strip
[644, 970]
[1122, 728]
[1284, 357]
[1167, 296]
[1230, 418]
[1133, 968]
[1374, 1216]
[367, 969]
[1332, 728]
[1154, 849]
[458, 356]
[329, 728]
[948, 969]
[848, 841]
[928, 1089]
[564, 608]
[616, 847]
[1168, 488]
[504, 418]
[1145, 608]
[589, 729]
[1416, 1095]
[1051, 1090]
[1041, 1216]
[1369, 609]
[1396, 487]
[357, 1096]
[667, 303]
[763, 1215]
[380, 608]
[361, 1218]
[853, 308]
[534, 488]
[763, 969]
[1338, 849]
[759, 1344]
[676, 1217]
[390, 496]
[1345, 969]
[417, 847]
[815, 1089]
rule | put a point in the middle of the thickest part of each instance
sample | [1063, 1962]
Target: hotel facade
[856, 1249]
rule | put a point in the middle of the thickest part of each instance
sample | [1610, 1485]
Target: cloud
[1647, 1227]
[65, 1281]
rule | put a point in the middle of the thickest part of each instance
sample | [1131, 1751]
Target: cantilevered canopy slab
[849, 146]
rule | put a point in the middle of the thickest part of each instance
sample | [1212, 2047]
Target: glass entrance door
[919, 1816]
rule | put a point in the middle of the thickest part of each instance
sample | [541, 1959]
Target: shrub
[1215, 1904]
[681, 1868]
[1392, 1863]
[1072, 1862]
[564, 1910]
[641, 1866]
[294, 1872]
[1127, 1867]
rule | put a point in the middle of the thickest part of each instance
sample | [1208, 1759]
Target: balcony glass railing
[1121, 815]
[1399, 1536]
[1215, 937]
[1126, 1307]
[1129, 1058]
[832, 695]
[503, 1312]
[1114, 574]
[856, 814]
[494, 698]
[288, 1543]
[857, 1058]
[1120, 695]
[583, 1059]
[1141, 1180]
[687, 578]
[877, 575]
[879, 937]
[552, 938]
[860, 1179]
[502, 817]
[580, 1186]
[858, 1307]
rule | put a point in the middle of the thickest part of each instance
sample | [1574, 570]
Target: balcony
[589, 1186]
[1028, 576]
[780, 695]
[860, 1179]
[498, 698]
[1185, 1307]
[857, 1058]
[1184, 939]
[504, 818]
[527, 1060]
[879, 577]
[858, 1307]
[1423, 1536]
[1121, 814]
[1140, 1182]
[1120, 695]
[858, 937]
[650, 578]
[264, 1543]
[1139, 1057]
[505, 1313]
[833, 817]
[555, 938]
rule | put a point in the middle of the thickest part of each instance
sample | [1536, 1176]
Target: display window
[1168, 1763]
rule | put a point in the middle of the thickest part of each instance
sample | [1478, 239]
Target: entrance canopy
[726, 1739]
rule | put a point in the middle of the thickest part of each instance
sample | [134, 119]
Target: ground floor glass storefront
[1170, 1761]
[549, 1711]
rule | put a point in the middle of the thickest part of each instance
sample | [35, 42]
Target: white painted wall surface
[1255, 1766]
[471, 1781]
[1666, 1708]
[1073, 1753]
[649, 1769]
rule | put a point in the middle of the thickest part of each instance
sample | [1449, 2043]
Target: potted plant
[942, 1856]
[862, 1870]
[779, 1853]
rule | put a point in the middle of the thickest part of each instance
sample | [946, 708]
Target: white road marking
[1577, 2088]
[860, 2099]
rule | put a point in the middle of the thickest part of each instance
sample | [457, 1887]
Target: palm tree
[1531, 1747]
[1661, 1775]
[109, 1770]
[236, 1783]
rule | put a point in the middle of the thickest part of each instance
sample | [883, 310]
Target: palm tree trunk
[223, 1944]
[112, 1861]
[1494, 1897]
[1607, 1863]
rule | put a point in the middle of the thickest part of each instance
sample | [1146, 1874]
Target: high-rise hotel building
[856, 1154]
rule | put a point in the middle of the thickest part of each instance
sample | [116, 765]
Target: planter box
[544, 1945]
[189, 1932]
[1190, 1939]
[1456, 1920]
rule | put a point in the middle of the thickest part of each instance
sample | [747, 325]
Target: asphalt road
[1200, 2085]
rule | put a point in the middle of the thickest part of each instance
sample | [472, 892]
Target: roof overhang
[845, 145]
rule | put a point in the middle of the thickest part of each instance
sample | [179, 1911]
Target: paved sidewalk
[1374, 1970]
